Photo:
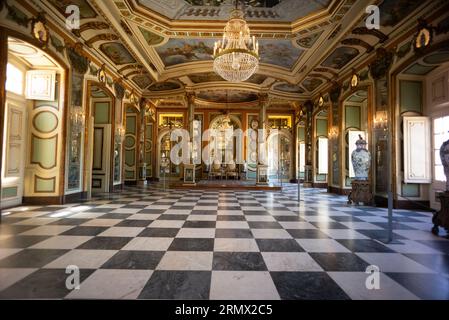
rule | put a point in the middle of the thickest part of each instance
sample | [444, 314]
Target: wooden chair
[231, 171]
[215, 170]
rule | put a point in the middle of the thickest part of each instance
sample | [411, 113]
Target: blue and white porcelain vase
[444, 155]
[361, 160]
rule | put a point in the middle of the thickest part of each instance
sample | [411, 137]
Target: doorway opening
[33, 117]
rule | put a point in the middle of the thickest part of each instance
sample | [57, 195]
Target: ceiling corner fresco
[340, 57]
[117, 53]
[311, 84]
[177, 51]
[289, 88]
[86, 11]
[142, 80]
[308, 41]
[393, 11]
[151, 38]
[281, 53]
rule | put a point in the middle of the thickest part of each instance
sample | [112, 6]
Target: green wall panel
[130, 158]
[45, 121]
[411, 96]
[44, 151]
[301, 133]
[321, 127]
[101, 111]
[131, 124]
[45, 185]
[9, 192]
[352, 115]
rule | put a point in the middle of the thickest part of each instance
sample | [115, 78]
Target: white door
[14, 146]
[101, 158]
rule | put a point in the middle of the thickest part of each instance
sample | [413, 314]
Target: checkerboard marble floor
[148, 243]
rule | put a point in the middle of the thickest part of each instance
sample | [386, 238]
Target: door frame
[89, 132]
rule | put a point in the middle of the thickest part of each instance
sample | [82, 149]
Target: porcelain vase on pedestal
[361, 160]
[444, 155]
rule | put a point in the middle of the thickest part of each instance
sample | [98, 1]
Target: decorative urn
[444, 155]
[361, 160]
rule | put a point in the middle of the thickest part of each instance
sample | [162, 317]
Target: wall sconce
[320, 101]
[77, 118]
[381, 120]
[354, 79]
[333, 132]
[119, 134]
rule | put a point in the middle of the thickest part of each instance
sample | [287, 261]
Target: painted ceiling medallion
[236, 57]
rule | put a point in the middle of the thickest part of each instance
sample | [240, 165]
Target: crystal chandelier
[236, 57]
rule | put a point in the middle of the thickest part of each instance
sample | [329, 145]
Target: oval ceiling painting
[165, 86]
[287, 87]
[227, 96]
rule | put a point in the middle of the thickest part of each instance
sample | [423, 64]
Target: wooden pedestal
[361, 192]
[441, 218]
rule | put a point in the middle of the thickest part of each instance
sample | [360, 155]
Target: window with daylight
[440, 134]
[14, 79]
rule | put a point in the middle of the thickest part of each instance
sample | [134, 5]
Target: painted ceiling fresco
[227, 96]
[164, 86]
[340, 57]
[393, 11]
[212, 77]
[86, 10]
[177, 51]
[311, 84]
[279, 52]
[142, 80]
[252, 3]
[308, 41]
[117, 53]
[150, 37]
[287, 87]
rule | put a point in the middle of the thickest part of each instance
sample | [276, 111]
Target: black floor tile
[105, 243]
[307, 286]
[279, 245]
[115, 216]
[173, 217]
[21, 241]
[235, 261]
[346, 262]
[146, 260]
[177, 285]
[231, 218]
[69, 222]
[424, 285]
[440, 245]
[13, 229]
[329, 225]
[264, 225]
[364, 245]
[31, 258]
[199, 224]
[233, 233]
[84, 231]
[307, 234]
[189, 244]
[42, 284]
[436, 262]
[134, 223]
[159, 232]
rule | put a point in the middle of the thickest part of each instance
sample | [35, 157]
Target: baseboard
[43, 200]
[319, 185]
[421, 205]
[131, 183]
[339, 191]
[74, 197]
[117, 187]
